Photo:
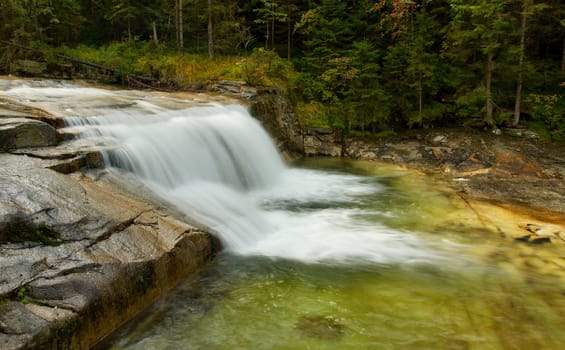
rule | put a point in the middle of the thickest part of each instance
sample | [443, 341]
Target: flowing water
[325, 254]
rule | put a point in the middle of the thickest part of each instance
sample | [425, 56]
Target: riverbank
[512, 183]
[500, 169]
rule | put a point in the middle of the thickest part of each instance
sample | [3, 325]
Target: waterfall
[203, 159]
[219, 144]
[215, 163]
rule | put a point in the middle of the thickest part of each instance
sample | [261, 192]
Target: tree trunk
[272, 25]
[177, 23]
[420, 100]
[130, 38]
[210, 31]
[563, 56]
[268, 34]
[155, 38]
[288, 35]
[490, 103]
[517, 105]
[181, 30]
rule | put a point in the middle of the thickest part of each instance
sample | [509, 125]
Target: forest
[368, 67]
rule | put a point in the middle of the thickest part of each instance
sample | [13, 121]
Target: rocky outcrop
[80, 252]
[234, 88]
[273, 109]
[323, 142]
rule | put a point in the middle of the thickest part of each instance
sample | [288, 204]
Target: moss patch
[19, 231]
[22, 295]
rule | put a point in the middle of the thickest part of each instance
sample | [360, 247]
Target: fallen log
[113, 71]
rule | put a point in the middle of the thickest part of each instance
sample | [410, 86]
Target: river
[319, 254]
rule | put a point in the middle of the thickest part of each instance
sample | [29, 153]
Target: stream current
[323, 254]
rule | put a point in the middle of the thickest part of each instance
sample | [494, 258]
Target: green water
[481, 296]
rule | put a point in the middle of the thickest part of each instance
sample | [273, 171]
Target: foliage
[312, 114]
[49, 21]
[485, 26]
[268, 14]
[470, 105]
[266, 68]
[261, 68]
[127, 57]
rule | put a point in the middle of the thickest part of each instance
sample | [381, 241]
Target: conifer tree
[482, 27]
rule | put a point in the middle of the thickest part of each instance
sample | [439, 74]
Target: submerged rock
[318, 326]
[539, 240]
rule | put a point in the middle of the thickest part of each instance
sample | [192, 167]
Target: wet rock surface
[79, 253]
[513, 186]
[234, 88]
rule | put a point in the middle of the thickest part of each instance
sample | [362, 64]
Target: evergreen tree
[412, 64]
[123, 10]
[370, 102]
[481, 30]
[14, 23]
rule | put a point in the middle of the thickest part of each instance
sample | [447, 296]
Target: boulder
[23, 132]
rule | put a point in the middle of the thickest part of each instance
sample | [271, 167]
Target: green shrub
[187, 71]
[312, 115]
[548, 109]
[471, 105]
[266, 68]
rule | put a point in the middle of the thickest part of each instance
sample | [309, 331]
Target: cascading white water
[219, 144]
[217, 164]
